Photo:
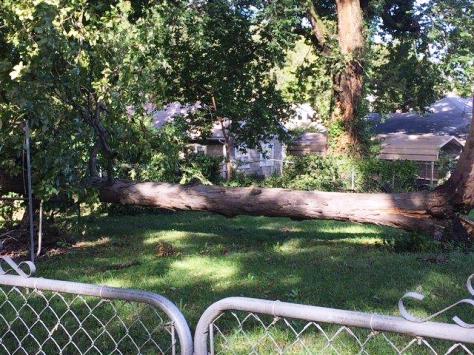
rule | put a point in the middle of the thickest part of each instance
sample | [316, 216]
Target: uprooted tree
[439, 213]
[84, 74]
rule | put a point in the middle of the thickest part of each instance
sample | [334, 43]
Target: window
[200, 149]
[266, 156]
[242, 159]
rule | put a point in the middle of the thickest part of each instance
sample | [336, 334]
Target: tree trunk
[348, 83]
[421, 211]
[460, 185]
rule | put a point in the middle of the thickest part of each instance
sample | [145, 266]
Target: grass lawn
[320, 263]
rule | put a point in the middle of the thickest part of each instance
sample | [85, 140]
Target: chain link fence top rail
[42, 316]
[239, 325]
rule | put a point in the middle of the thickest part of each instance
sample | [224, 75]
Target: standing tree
[219, 55]
[341, 34]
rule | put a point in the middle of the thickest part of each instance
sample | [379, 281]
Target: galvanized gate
[239, 325]
[42, 316]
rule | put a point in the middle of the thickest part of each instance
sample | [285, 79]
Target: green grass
[321, 263]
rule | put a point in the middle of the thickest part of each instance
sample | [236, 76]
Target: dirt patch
[165, 249]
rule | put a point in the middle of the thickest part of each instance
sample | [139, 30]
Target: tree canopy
[84, 74]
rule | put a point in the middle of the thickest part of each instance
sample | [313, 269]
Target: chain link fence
[251, 326]
[41, 316]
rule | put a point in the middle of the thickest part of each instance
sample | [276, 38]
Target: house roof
[400, 146]
[304, 118]
[449, 116]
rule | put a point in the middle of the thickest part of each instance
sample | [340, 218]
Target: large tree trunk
[348, 83]
[460, 185]
[423, 211]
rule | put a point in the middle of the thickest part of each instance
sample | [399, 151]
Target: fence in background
[41, 316]
[239, 325]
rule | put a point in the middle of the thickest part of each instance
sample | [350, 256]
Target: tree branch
[319, 29]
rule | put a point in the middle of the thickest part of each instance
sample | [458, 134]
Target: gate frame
[375, 322]
[110, 293]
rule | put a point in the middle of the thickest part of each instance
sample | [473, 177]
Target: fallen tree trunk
[439, 212]
[421, 211]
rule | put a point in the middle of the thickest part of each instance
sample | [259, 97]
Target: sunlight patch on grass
[349, 229]
[360, 241]
[103, 241]
[294, 246]
[112, 281]
[177, 238]
[172, 235]
[205, 268]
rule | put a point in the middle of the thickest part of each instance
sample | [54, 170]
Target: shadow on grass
[312, 262]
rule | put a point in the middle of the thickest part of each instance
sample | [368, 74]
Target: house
[450, 116]
[309, 143]
[426, 150]
[270, 158]
[427, 139]
[265, 162]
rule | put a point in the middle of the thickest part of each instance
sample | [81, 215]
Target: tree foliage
[75, 70]
[83, 73]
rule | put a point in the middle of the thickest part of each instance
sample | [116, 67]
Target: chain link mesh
[43, 322]
[250, 333]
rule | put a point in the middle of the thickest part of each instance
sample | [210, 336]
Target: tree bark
[348, 83]
[421, 211]
[460, 185]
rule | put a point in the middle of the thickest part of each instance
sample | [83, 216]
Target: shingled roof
[449, 116]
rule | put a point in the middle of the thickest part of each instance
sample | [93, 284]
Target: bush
[375, 175]
[242, 180]
[313, 172]
[201, 168]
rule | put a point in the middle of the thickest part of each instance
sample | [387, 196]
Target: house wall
[215, 150]
[253, 162]
[309, 143]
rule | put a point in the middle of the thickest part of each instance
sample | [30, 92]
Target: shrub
[201, 168]
[312, 172]
[242, 180]
[375, 175]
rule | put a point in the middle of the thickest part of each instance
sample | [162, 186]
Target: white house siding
[253, 162]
